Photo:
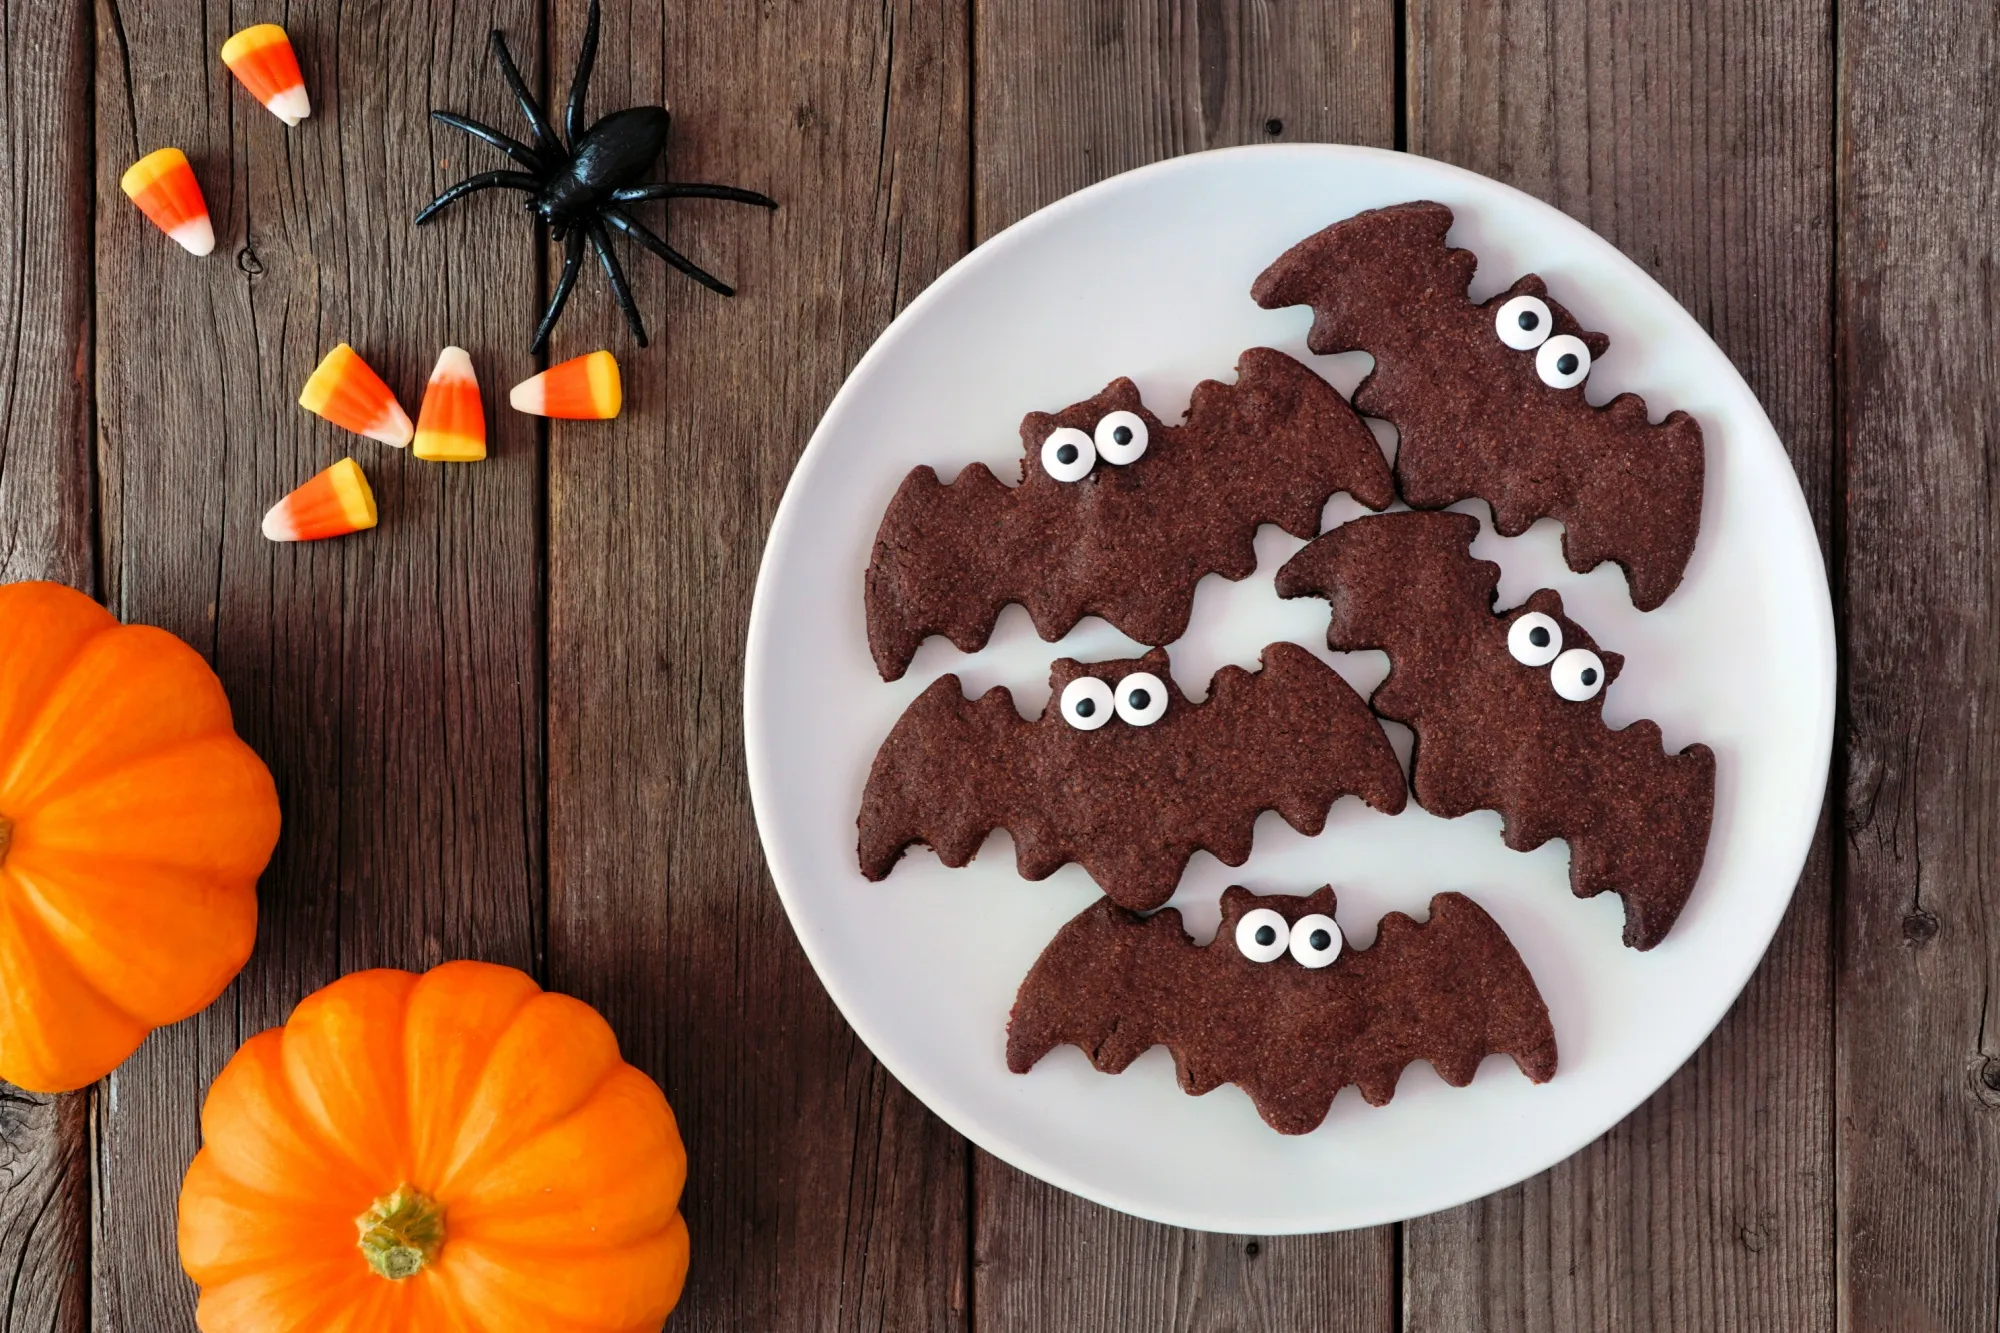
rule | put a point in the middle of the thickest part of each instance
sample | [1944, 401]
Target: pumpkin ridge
[31, 709]
[76, 780]
[449, 1170]
[492, 1148]
[313, 1149]
[50, 949]
[513, 1270]
[322, 1295]
[113, 863]
[482, 1214]
[169, 658]
[53, 961]
[44, 893]
[312, 1036]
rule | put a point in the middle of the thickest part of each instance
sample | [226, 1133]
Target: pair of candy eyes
[1263, 935]
[1536, 640]
[1069, 454]
[1088, 703]
[1524, 323]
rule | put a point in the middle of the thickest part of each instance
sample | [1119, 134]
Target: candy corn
[348, 393]
[451, 427]
[162, 184]
[261, 59]
[332, 504]
[585, 388]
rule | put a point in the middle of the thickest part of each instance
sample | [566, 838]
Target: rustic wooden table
[505, 724]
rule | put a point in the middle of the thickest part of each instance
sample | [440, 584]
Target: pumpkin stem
[401, 1233]
[6, 837]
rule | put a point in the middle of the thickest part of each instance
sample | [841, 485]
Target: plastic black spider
[580, 190]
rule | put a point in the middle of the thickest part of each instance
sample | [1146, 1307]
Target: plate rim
[1789, 509]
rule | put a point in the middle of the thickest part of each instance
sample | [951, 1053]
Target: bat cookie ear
[1237, 902]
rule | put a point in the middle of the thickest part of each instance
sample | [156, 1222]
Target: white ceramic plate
[1148, 275]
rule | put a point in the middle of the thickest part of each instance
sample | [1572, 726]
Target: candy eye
[1263, 935]
[1577, 675]
[1315, 940]
[1086, 703]
[1563, 361]
[1142, 699]
[1121, 438]
[1068, 454]
[1535, 639]
[1523, 323]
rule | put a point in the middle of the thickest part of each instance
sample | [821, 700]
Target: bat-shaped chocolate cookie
[1117, 514]
[1488, 400]
[1279, 1006]
[1508, 711]
[1121, 773]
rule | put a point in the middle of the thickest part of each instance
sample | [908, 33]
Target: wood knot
[1253, 1249]
[1982, 1079]
[1920, 927]
[1274, 127]
[249, 261]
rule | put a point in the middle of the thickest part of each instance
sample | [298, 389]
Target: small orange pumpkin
[459, 1152]
[133, 826]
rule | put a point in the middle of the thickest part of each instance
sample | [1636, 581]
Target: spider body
[581, 184]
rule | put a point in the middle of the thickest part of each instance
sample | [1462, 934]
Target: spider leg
[587, 57]
[513, 148]
[633, 194]
[643, 234]
[485, 180]
[619, 287]
[572, 260]
[546, 142]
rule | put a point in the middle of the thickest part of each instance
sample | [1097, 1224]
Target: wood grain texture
[820, 1194]
[392, 680]
[1049, 1260]
[45, 533]
[1066, 95]
[1071, 91]
[1918, 1095]
[1697, 139]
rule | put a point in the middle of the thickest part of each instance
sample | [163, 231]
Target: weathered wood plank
[820, 1195]
[1069, 93]
[392, 679]
[1698, 140]
[1066, 95]
[1918, 1097]
[45, 533]
[1049, 1260]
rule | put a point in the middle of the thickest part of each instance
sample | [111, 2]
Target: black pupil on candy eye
[1539, 637]
[1566, 363]
[1085, 707]
[1123, 435]
[1065, 453]
[1590, 675]
[1528, 319]
[1319, 940]
[1142, 699]
[1266, 936]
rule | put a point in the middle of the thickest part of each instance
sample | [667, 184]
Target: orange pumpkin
[459, 1152]
[133, 826]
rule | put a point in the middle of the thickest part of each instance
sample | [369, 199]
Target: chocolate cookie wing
[1278, 1006]
[1121, 773]
[1508, 711]
[1117, 514]
[1489, 399]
